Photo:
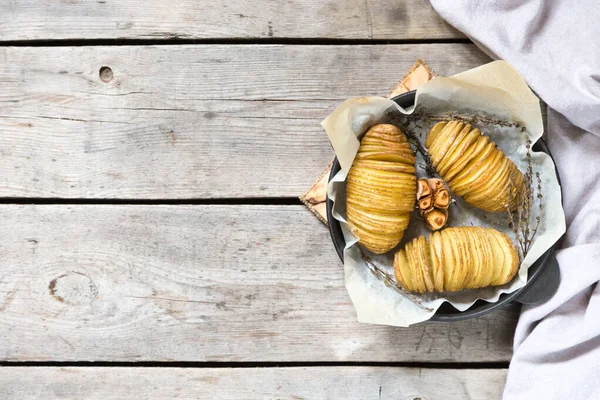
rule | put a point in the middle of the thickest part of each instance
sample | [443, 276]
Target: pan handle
[543, 287]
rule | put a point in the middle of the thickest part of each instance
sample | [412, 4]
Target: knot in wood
[73, 288]
[106, 74]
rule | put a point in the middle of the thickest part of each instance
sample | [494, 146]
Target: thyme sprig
[520, 220]
[389, 281]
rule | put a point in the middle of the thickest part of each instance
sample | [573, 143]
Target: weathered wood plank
[252, 383]
[188, 19]
[199, 283]
[186, 121]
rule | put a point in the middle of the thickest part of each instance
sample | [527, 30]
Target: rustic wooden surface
[382, 383]
[195, 121]
[189, 19]
[206, 106]
[199, 283]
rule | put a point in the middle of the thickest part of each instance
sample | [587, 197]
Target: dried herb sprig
[520, 220]
[407, 123]
[476, 119]
[389, 281]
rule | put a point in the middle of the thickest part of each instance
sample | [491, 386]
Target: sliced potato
[436, 262]
[473, 166]
[474, 262]
[416, 273]
[467, 157]
[425, 264]
[460, 256]
[456, 259]
[381, 188]
[402, 269]
[461, 148]
[444, 141]
[511, 259]
[434, 132]
[498, 254]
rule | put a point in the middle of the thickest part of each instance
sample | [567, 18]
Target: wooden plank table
[152, 242]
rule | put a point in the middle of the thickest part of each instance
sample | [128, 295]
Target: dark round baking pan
[544, 275]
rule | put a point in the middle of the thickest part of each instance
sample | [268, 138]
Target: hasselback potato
[381, 188]
[473, 166]
[455, 259]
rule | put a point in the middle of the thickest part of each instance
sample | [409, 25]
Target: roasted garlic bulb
[433, 200]
[455, 259]
[473, 166]
[381, 188]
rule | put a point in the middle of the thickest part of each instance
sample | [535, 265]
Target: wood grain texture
[383, 383]
[221, 19]
[186, 121]
[199, 283]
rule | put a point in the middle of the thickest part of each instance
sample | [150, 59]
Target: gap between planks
[278, 201]
[266, 364]
[232, 41]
